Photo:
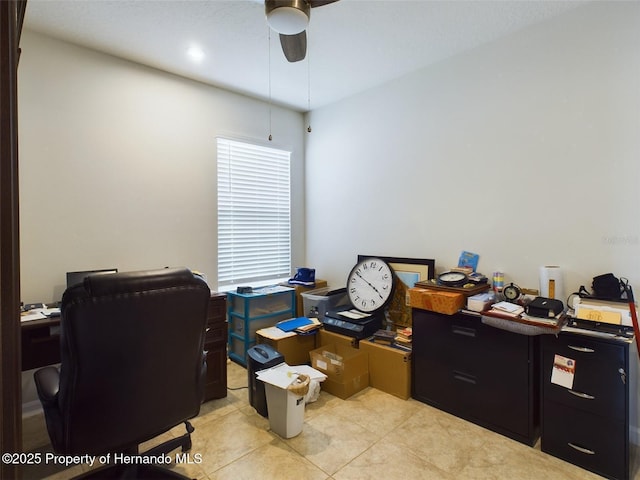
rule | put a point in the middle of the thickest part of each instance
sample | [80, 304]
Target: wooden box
[435, 300]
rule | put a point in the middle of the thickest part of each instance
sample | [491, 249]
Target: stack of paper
[39, 314]
[283, 375]
[507, 308]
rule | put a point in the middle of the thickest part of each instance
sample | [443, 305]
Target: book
[384, 336]
[310, 327]
[405, 331]
[404, 335]
[403, 341]
[469, 259]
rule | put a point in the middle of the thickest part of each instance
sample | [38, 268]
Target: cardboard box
[300, 289]
[347, 369]
[435, 300]
[295, 348]
[327, 338]
[389, 368]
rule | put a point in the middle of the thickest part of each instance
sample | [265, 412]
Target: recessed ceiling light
[195, 53]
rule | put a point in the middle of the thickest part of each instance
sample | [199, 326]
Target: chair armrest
[47, 384]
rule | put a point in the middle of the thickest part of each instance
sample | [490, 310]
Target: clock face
[452, 279]
[369, 285]
[511, 292]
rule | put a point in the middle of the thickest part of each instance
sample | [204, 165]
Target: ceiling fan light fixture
[287, 17]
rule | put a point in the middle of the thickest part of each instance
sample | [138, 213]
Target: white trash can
[286, 407]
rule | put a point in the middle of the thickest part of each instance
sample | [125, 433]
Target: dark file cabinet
[477, 372]
[588, 423]
[215, 344]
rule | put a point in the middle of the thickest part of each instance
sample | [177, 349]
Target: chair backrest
[131, 358]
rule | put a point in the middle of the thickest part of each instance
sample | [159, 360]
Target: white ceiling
[354, 45]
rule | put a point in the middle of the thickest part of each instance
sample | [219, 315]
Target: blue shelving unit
[249, 312]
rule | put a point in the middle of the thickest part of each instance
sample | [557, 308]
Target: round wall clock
[370, 284]
[453, 279]
[512, 292]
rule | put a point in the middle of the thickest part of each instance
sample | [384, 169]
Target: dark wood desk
[215, 344]
[40, 343]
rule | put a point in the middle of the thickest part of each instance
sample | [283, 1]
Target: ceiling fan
[290, 19]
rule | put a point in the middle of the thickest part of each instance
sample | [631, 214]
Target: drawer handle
[581, 349]
[467, 332]
[464, 378]
[581, 449]
[582, 395]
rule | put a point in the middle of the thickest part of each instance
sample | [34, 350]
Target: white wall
[117, 165]
[525, 151]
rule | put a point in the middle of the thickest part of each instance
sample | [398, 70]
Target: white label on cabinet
[563, 371]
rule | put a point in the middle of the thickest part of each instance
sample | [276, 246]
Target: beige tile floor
[372, 435]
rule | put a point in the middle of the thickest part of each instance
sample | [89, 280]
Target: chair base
[126, 472]
[142, 470]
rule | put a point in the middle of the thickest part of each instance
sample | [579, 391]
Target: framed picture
[408, 271]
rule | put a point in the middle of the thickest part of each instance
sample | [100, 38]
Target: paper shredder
[260, 357]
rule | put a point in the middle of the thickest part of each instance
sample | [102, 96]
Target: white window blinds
[254, 213]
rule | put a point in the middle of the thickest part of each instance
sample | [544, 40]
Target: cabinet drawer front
[217, 311]
[590, 441]
[216, 381]
[598, 384]
[216, 334]
[584, 347]
[446, 336]
[478, 395]
[467, 344]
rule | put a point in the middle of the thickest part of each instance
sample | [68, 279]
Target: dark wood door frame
[11, 18]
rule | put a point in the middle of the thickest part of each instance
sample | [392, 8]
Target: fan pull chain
[270, 136]
[308, 82]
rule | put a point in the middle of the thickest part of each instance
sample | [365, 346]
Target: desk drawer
[40, 344]
[590, 441]
[217, 309]
[216, 334]
[216, 382]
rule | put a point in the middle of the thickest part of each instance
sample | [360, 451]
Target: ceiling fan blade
[294, 46]
[320, 3]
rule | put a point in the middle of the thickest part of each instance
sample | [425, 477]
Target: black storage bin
[260, 357]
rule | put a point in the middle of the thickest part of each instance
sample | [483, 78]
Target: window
[254, 213]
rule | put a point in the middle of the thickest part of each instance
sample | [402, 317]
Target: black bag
[544, 307]
[607, 286]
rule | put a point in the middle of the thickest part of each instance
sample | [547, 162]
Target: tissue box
[480, 302]
[435, 300]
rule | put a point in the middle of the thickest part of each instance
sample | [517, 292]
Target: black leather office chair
[132, 367]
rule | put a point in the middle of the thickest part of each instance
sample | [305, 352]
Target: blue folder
[290, 325]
